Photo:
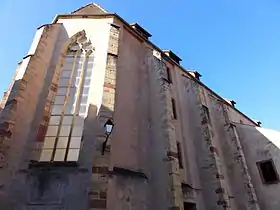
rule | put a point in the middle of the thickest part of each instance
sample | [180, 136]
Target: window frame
[174, 109]
[259, 163]
[168, 74]
[180, 157]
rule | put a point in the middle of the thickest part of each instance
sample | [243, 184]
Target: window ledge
[37, 164]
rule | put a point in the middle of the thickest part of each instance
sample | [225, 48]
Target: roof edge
[160, 50]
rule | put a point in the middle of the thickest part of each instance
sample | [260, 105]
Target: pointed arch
[61, 130]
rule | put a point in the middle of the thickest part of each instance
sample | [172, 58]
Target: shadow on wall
[94, 134]
[261, 148]
[66, 185]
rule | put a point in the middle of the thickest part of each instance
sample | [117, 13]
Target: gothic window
[63, 136]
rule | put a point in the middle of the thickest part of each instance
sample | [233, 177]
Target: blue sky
[234, 44]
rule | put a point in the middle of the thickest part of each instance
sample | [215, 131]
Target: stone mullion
[64, 105]
[78, 93]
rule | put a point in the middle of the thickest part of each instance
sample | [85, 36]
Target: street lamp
[108, 128]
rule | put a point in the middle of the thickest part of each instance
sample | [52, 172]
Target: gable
[89, 9]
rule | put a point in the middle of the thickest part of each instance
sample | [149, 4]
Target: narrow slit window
[268, 172]
[189, 206]
[179, 155]
[206, 115]
[168, 73]
[174, 111]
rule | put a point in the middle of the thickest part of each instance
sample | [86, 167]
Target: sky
[234, 44]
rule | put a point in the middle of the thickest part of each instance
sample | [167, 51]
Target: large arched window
[63, 136]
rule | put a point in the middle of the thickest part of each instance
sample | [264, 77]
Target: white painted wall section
[97, 30]
[36, 40]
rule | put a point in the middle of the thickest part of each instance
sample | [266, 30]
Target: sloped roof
[90, 9]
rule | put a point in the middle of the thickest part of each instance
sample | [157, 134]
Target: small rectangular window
[268, 172]
[174, 111]
[189, 206]
[168, 74]
[179, 155]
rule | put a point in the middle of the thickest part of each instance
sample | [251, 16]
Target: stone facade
[175, 145]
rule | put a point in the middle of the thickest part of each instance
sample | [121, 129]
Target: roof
[90, 9]
[172, 55]
[196, 74]
[140, 29]
[184, 71]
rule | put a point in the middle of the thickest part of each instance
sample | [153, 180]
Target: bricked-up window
[168, 73]
[174, 111]
[206, 115]
[268, 172]
[179, 155]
